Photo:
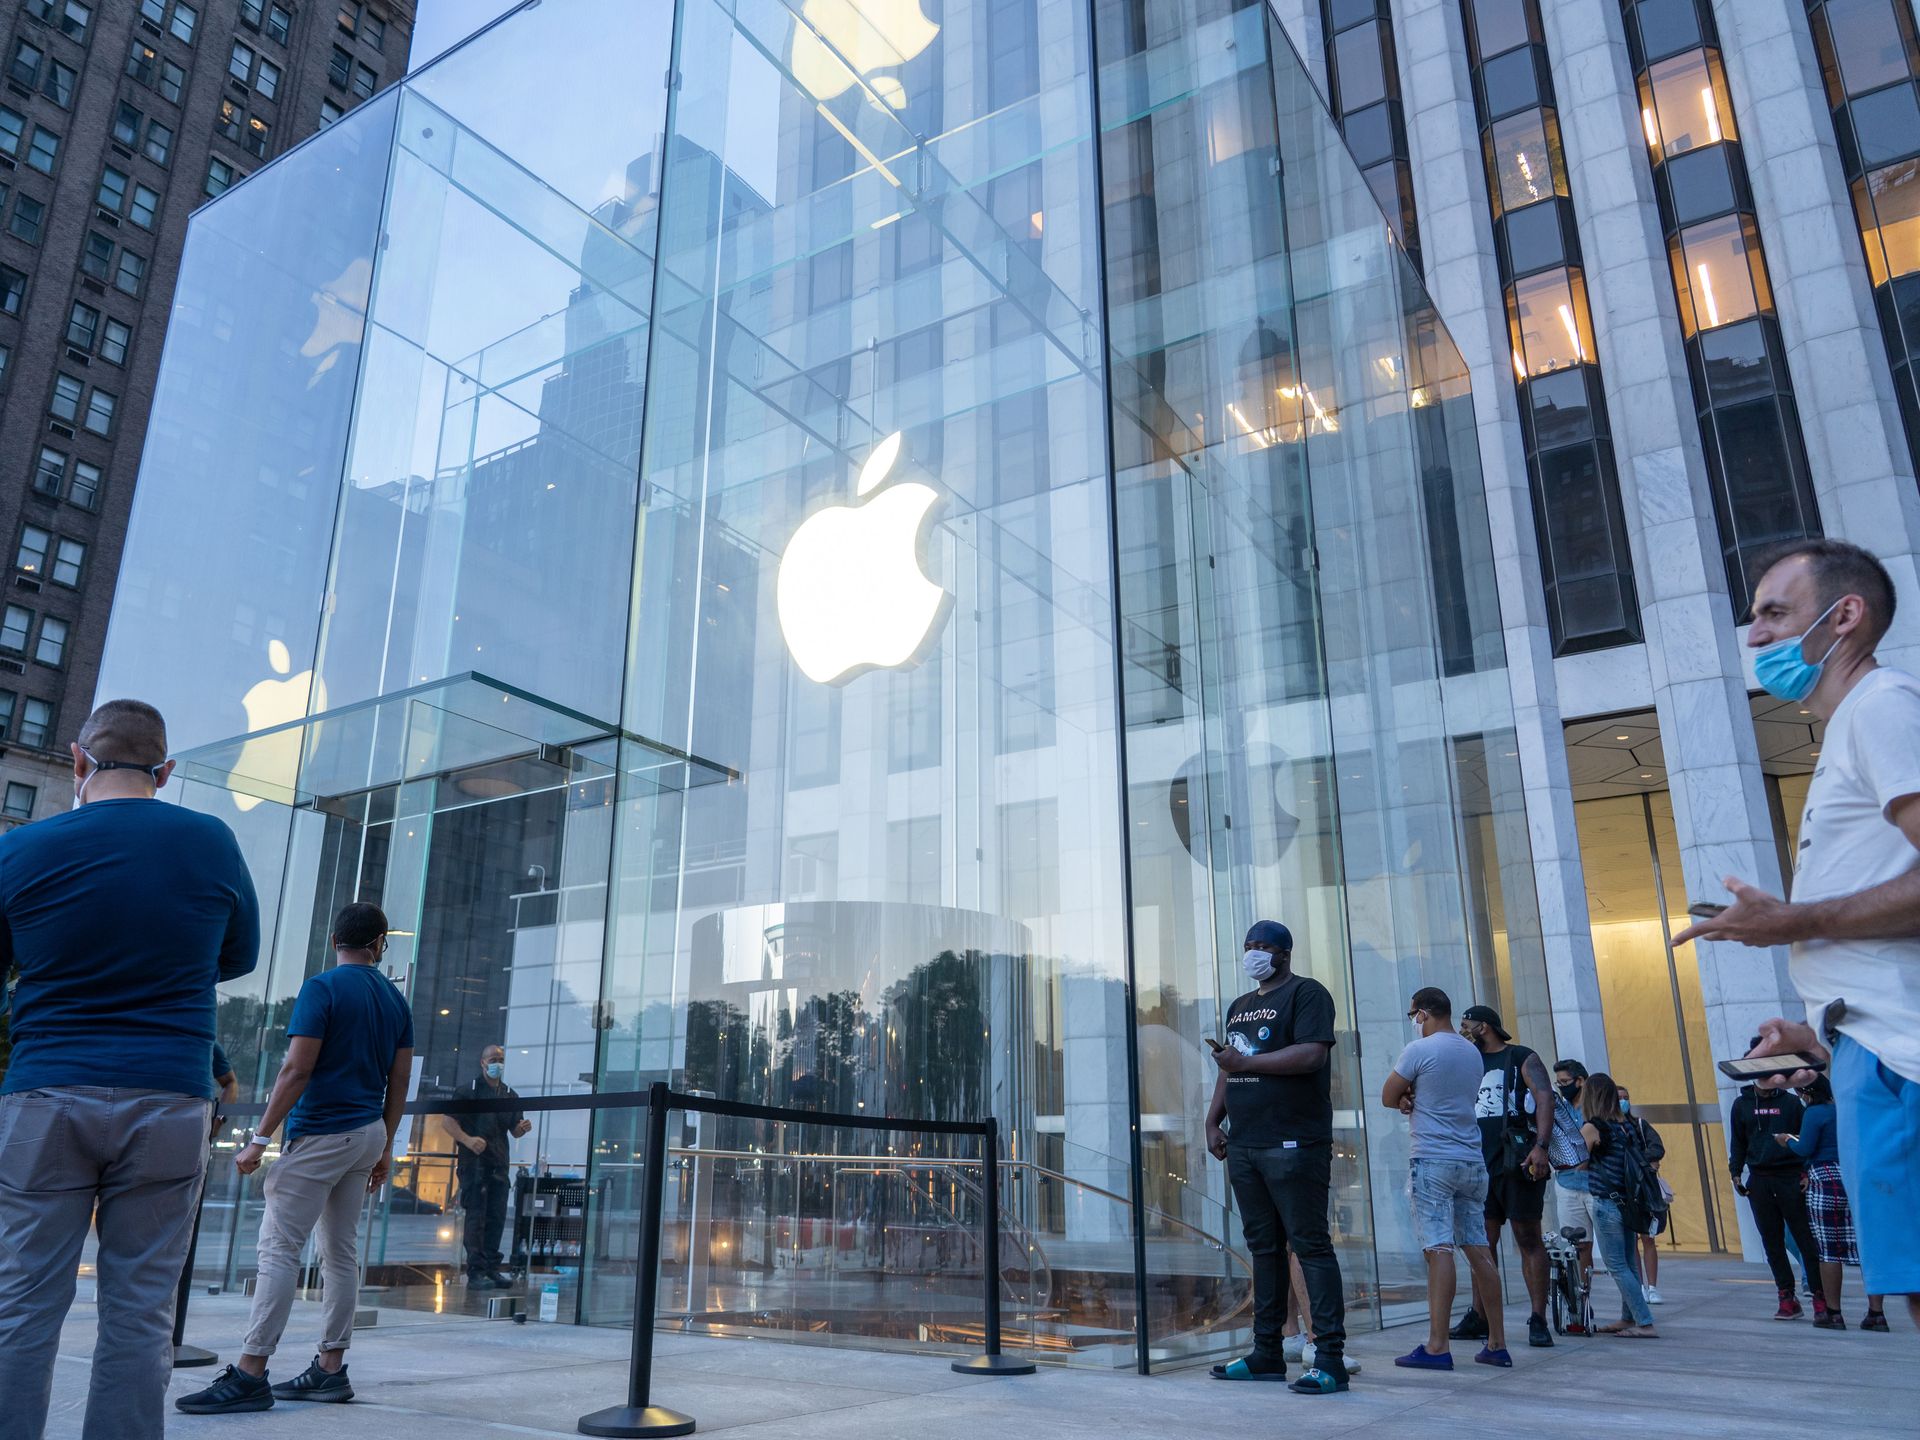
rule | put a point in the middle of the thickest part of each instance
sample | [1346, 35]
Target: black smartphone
[1760, 1067]
[1705, 910]
[1212, 1044]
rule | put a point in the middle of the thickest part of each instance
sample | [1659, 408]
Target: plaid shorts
[1832, 1217]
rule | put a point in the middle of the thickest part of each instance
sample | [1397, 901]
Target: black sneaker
[482, 1281]
[234, 1392]
[502, 1280]
[1472, 1326]
[1539, 1336]
[313, 1383]
[1876, 1320]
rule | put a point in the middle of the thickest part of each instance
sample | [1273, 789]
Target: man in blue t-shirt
[340, 1090]
[121, 915]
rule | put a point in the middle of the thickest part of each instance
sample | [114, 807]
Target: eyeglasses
[1415, 1014]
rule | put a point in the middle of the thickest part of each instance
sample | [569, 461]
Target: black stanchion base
[636, 1421]
[188, 1357]
[994, 1365]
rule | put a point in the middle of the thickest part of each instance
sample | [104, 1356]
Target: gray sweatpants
[129, 1161]
[321, 1181]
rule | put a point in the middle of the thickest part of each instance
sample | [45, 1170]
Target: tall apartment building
[1678, 242]
[118, 118]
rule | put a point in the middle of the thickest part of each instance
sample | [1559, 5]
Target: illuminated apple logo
[275, 758]
[853, 592]
[843, 40]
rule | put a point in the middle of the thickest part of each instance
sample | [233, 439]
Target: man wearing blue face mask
[1274, 1098]
[485, 1169]
[1820, 609]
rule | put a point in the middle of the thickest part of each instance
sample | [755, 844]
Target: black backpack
[1643, 1204]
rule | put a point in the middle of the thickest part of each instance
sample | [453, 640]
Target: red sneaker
[1789, 1307]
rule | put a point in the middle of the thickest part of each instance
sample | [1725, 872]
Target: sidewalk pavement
[1723, 1368]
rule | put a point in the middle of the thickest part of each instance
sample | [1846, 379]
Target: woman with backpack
[1619, 1173]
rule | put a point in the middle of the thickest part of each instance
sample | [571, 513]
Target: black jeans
[483, 1193]
[1779, 1209]
[1282, 1195]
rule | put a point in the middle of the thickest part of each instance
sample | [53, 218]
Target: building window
[350, 17]
[159, 142]
[36, 720]
[31, 557]
[72, 17]
[28, 215]
[7, 699]
[57, 84]
[373, 30]
[51, 649]
[146, 204]
[131, 275]
[329, 112]
[115, 340]
[20, 798]
[220, 176]
[65, 404]
[251, 12]
[173, 80]
[24, 67]
[100, 408]
[1684, 104]
[143, 62]
[44, 153]
[50, 475]
[5, 356]
[255, 141]
[85, 490]
[13, 291]
[279, 23]
[185, 17]
[13, 125]
[96, 257]
[16, 623]
[83, 323]
[127, 121]
[339, 68]
[240, 62]
[365, 82]
[227, 123]
[69, 562]
[112, 191]
[266, 80]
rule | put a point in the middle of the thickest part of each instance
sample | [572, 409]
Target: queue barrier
[640, 1417]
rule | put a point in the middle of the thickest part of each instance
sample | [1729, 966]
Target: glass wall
[844, 579]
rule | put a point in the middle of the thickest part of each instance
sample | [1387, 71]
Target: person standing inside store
[485, 1169]
[1655, 1149]
[1827, 1208]
[1772, 1178]
[1436, 1082]
[1271, 1121]
[121, 915]
[1821, 609]
[340, 1090]
[1515, 1110]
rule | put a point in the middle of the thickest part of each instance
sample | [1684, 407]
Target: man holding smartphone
[1274, 1096]
[1821, 608]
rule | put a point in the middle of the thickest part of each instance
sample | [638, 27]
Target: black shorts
[1512, 1196]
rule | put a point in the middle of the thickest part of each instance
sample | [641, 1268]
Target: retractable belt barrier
[640, 1417]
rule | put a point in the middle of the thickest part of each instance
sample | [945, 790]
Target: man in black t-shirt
[1515, 1110]
[485, 1171]
[1275, 1096]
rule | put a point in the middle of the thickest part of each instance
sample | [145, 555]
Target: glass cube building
[837, 554]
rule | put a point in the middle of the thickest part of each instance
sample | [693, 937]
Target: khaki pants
[129, 1163]
[320, 1182]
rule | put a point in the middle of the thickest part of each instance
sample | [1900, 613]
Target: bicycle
[1571, 1297]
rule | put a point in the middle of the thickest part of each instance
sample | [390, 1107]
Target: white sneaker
[1654, 1297]
[1294, 1349]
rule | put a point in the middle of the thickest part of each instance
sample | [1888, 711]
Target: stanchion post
[992, 1362]
[638, 1418]
[185, 1356]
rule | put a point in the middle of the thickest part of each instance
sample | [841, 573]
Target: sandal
[1636, 1332]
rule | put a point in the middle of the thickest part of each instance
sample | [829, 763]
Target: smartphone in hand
[1705, 910]
[1213, 1044]
[1762, 1067]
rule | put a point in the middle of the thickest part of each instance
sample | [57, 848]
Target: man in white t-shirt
[1820, 609]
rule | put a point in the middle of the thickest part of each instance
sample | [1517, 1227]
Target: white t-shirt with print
[1870, 758]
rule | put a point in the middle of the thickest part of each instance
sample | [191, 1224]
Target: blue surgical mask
[496, 1070]
[1258, 965]
[1626, 1107]
[1783, 669]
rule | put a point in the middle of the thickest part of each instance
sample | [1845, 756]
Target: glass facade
[1749, 424]
[843, 576]
[1577, 508]
[1363, 77]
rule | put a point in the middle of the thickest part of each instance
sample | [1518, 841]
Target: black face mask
[1568, 1091]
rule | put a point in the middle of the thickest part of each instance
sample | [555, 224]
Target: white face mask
[1258, 965]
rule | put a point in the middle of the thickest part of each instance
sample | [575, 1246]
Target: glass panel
[1535, 239]
[1667, 26]
[1872, 42]
[1562, 413]
[1552, 328]
[1887, 204]
[1511, 82]
[1886, 124]
[1715, 269]
[1684, 104]
[1524, 162]
[1700, 183]
[1360, 67]
[259, 410]
[1499, 25]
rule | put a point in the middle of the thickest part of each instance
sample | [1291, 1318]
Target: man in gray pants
[122, 915]
[341, 1090]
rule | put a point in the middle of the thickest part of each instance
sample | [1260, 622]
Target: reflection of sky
[442, 24]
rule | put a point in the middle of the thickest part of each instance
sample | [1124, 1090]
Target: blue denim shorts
[1449, 1203]
[1878, 1115]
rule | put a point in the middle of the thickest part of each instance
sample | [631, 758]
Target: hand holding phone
[1705, 910]
[1213, 1044]
[1765, 1067]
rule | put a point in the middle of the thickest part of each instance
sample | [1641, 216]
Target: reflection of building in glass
[1218, 638]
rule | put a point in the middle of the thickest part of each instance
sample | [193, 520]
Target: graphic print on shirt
[1493, 1095]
